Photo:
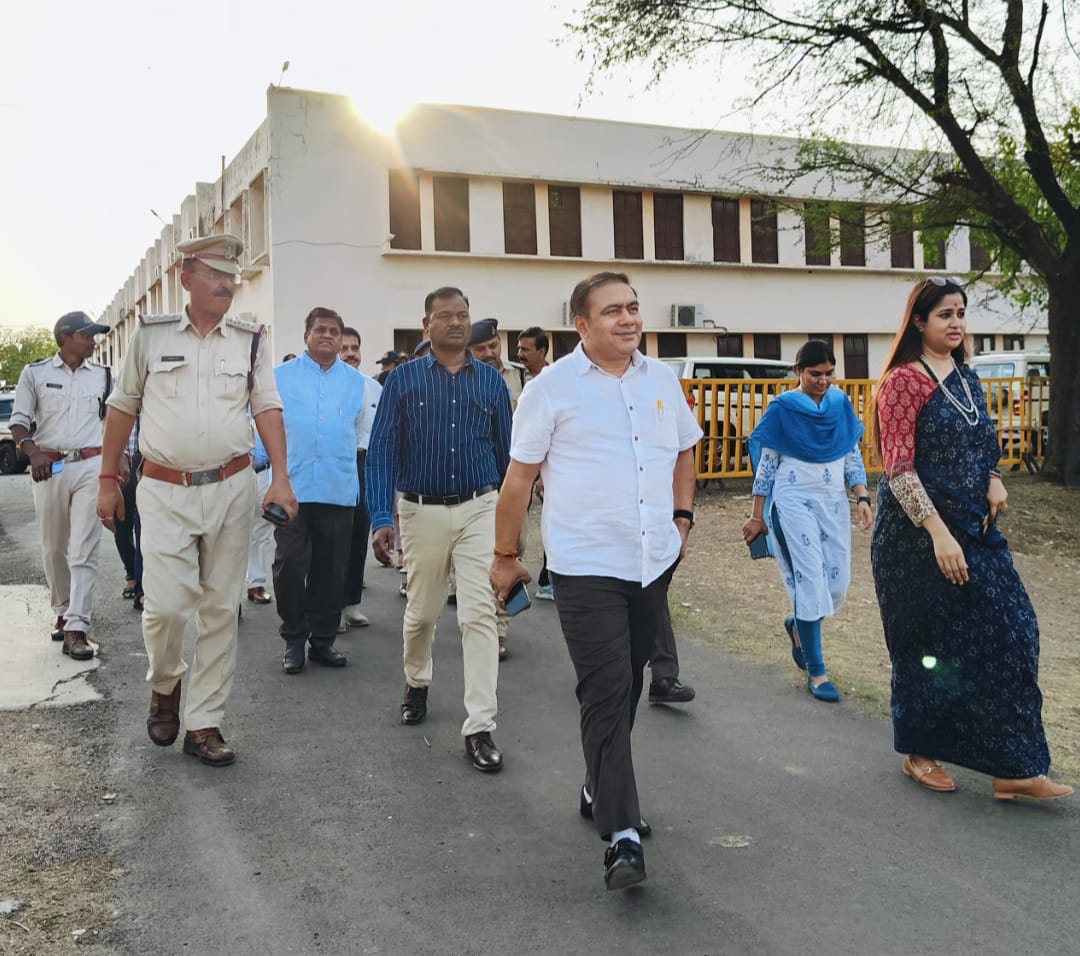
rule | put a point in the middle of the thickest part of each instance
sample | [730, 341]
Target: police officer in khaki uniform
[193, 377]
[486, 346]
[66, 395]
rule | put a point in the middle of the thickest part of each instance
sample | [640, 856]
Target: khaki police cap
[219, 252]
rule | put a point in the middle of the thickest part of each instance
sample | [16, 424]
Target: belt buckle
[204, 477]
[452, 500]
[75, 454]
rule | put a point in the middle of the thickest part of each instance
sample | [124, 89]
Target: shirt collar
[430, 361]
[583, 364]
[57, 362]
[185, 322]
[304, 357]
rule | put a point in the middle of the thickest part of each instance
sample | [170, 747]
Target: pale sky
[111, 109]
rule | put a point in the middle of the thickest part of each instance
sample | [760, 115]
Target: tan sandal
[932, 777]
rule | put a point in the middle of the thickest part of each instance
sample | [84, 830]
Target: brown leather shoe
[76, 647]
[58, 630]
[209, 746]
[163, 724]
[1033, 788]
[259, 596]
[932, 777]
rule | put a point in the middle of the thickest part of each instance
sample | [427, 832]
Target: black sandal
[129, 592]
[139, 603]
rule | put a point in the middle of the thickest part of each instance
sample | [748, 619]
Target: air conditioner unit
[567, 315]
[687, 316]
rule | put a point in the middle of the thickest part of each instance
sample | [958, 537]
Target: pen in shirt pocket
[659, 408]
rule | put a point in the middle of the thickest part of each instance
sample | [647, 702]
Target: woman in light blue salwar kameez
[805, 455]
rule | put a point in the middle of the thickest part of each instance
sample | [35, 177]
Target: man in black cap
[485, 344]
[66, 395]
[389, 361]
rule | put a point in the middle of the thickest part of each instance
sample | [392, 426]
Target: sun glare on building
[380, 111]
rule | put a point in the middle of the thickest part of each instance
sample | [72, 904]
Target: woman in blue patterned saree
[804, 452]
[961, 631]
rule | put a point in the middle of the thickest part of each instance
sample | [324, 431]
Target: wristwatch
[23, 442]
[683, 513]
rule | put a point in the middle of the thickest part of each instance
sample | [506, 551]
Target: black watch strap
[865, 498]
[683, 513]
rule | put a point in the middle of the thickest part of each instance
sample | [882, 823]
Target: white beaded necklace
[969, 413]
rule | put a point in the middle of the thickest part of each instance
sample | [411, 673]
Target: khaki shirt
[64, 403]
[192, 390]
[512, 374]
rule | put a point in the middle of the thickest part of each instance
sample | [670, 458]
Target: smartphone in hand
[517, 600]
[759, 547]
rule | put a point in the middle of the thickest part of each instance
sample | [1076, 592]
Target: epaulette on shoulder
[246, 324]
[159, 319]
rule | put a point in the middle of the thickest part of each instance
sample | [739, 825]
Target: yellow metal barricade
[728, 409]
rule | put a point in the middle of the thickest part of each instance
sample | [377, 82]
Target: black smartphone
[759, 547]
[518, 599]
[275, 514]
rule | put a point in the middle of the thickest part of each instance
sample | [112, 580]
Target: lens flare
[929, 662]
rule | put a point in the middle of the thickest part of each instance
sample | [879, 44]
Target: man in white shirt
[66, 395]
[612, 545]
[352, 616]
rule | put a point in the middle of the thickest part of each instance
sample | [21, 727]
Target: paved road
[781, 825]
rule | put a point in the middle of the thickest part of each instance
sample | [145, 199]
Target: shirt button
[635, 438]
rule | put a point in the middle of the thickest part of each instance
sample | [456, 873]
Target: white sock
[585, 793]
[630, 834]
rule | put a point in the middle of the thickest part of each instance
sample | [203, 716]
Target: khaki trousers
[195, 545]
[261, 549]
[502, 619]
[66, 510]
[433, 536]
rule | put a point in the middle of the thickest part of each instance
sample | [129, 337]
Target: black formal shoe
[483, 753]
[326, 654]
[669, 690]
[585, 809]
[414, 706]
[451, 599]
[292, 661]
[624, 865]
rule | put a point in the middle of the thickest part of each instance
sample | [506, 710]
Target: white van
[726, 432]
[1028, 405]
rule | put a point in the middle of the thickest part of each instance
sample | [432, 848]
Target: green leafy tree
[979, 98]
[20, 347]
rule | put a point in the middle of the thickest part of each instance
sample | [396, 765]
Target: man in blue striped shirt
[442, 438]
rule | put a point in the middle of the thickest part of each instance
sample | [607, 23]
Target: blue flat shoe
[796, 651]
[823, 691]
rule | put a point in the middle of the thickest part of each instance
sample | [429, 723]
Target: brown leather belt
[151, 469]
[75, 454]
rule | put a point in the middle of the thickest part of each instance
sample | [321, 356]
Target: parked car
[12, 461]
[725, 431]
[1026, 409]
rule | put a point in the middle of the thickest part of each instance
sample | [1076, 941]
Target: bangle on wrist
[994, 473]
[504, 553]
[108, 477]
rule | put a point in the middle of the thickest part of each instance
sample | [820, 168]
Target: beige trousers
[502, 619]
[66, 510]
[433, 536]
[195, 545]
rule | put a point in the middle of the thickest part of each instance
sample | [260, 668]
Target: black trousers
[358, 548]
[309, 571]
[610, 627]
[665, 658]
[124, 531]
